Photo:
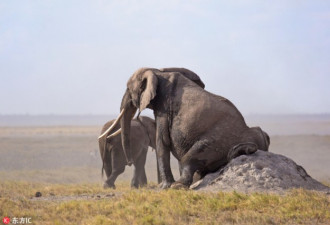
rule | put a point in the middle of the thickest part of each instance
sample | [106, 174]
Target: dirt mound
[259, 172]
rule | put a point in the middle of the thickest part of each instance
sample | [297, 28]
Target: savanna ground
[63, 164]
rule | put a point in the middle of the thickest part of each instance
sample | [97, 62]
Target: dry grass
[152, 206]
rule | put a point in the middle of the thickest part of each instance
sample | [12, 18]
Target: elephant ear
[149, 84]
[187, 73]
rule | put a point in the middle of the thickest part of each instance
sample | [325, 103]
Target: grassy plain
[90, 204]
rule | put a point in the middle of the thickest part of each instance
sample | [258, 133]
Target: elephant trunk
[125, 124]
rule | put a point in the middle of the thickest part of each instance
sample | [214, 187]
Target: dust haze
[64, 149]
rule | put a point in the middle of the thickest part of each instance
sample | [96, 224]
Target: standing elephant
[202, 130]
[143, 132]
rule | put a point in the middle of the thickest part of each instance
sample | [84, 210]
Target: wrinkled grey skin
[113, 158]
[202, 130]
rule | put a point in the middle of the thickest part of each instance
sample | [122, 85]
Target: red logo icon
[6, 220]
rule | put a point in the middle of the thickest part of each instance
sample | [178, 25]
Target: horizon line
[110, 114]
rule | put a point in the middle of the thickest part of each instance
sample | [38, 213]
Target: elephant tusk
[114, 134]
[113, 125]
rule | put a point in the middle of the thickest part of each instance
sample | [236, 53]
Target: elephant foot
[179, 186]
[242, 149]
[134, 185]
[165, 185]
[106, 186]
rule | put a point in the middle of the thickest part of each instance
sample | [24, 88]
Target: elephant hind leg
[190, 163]
[242, 149]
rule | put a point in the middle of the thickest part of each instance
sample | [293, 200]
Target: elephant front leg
[139, 178]
[163, 154]
[110, 182]
[164, 169]
[142, 172]
[108, 171]
[118, 163]
[107, 168]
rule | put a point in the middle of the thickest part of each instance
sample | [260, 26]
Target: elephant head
[141, 90]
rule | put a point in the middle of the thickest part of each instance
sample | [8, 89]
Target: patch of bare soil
[62, 198]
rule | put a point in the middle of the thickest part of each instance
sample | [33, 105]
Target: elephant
[112, 154]
[202, 130]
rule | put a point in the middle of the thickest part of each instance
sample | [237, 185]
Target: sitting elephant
[111, 150]
[202, 130]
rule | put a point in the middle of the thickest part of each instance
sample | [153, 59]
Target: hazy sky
[74, 57]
